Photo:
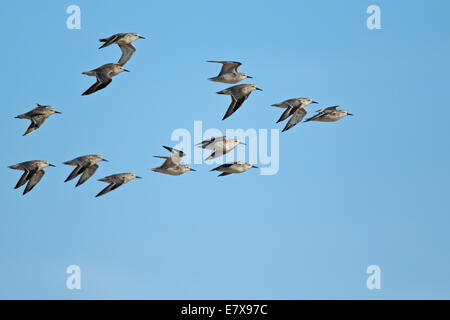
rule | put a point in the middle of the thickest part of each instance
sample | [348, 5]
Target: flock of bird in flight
[86, 166]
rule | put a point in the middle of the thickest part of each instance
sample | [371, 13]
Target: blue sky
[369, 189]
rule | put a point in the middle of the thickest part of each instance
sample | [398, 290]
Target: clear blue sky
[369, 189]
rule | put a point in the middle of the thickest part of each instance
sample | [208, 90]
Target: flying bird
[115, 181]
[234, 167]
[33, 173]
[220, 146]
[239, 94]
[85, 165]
[229, 73]
[329, 114]
[172, 165]
[123, 40]
[294, 108]
[104, 76]
[37, 116]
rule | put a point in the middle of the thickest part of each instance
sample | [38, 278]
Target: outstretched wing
[228, 66]
[298, 115]
[36, 123]
[127, 52]
[209, 143]
[110, 187]
[236, 103]
[102, 82]
[108, 41]
[23, 179]
[88, 172]
[223, 174]
[78, 170]
[317, 116]
[33, 180]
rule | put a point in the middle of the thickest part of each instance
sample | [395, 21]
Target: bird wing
[223, 174]
[236, 103]
[36, 123]
[34, 178]
[88, 172]
[108, 41]
[168, 163]
[210, 143]
[175, 154]
[112, 186]
[23, 179]
[298, 115]
[228, 66]
[317, 116]
[103, 79]
[127, 52]
[77, 171]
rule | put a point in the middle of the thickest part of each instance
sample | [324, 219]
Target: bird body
[85, 165]
[239, 94]
[104, 75]
[234, 167]
[229, 73]
[33, 173]
[115, 181]
[37, 116]
[220, 146]
[295, 108]
[172, 165]
[123, 40]
[330, 114]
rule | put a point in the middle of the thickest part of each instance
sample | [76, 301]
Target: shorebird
[33, 173]
[104, 76]
[220, 146]
[115, 181]
[294, 107]
[234, 167]
[229, 73]
[37, 116]
[239, 94]
[329, 114]
[123, 40]
[172, 165]
[85, 165]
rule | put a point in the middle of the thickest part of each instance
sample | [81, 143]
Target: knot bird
[33, 173]
[234, 167]
[329, 114]
[123, 40]
[104, 76]
[172, 165]
[220, 146]
[115, 181]
[37, 116]
[85, 165]
[229, 73]
[239, 94]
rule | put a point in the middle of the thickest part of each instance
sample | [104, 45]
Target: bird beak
[192, 169]
[242, 143]
[138, 177]
[249, 77]
[126, 70]
[258, 89]
[58, 112]
[255, 167]
[349, 114]
[105, 160]
[51, 165]
[314, 102]
[141, 37]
